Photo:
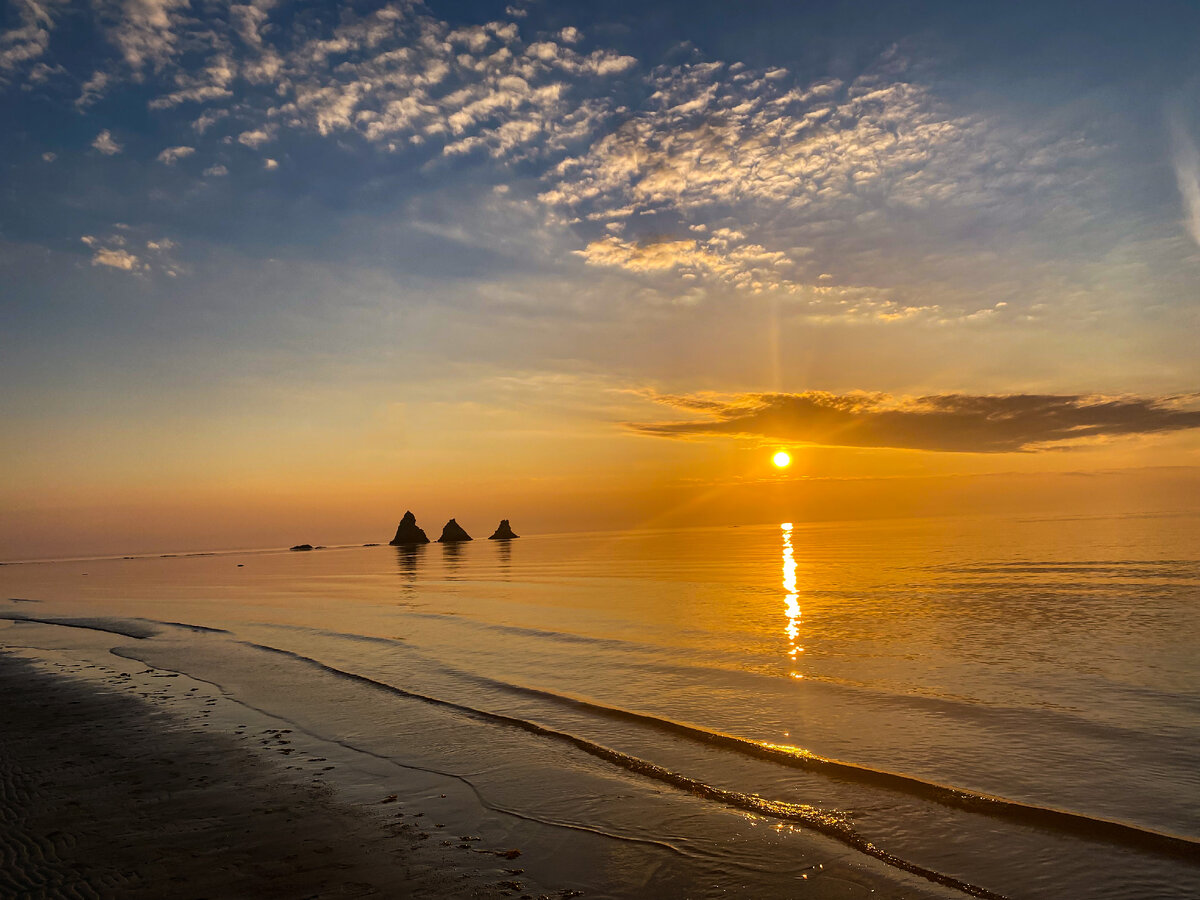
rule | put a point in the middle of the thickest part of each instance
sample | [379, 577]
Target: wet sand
[102, 794]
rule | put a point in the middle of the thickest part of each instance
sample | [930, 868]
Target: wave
[1000, 718]
[139, 629]
[343, 635]
[1137, 568]
[650, 658]
[123, 627]
[1073, 823]
[832, 823]
[566, 637]
[203, 629]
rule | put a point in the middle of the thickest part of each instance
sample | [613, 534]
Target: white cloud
[105, 144]
[798, 167]
[654, 187]
[1186, 159]
[211, 83]
[146, 30]
[659, 256]
[208, 118]
[249, 20]
[400, 78]
[116, 259]
[49, 157]
[171, 155]
[28, 40]
[254, 138]
[92, 90]
[112, 251]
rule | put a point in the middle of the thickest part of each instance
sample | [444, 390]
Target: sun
[782, 459]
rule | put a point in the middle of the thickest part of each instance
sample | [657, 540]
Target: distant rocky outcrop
[453, 533]
[301, 547]
[503, 532]
[407, 532]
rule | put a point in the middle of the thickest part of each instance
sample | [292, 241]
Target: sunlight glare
[782, 459]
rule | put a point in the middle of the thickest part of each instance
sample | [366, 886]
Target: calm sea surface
[1011, 704]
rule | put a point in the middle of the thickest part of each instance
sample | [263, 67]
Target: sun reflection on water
[791, 600]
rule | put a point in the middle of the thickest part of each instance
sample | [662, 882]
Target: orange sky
[278, 280]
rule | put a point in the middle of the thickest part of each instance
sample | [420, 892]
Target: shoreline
[122, 778]
[105, 793]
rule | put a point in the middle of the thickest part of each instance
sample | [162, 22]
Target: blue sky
[252, 225]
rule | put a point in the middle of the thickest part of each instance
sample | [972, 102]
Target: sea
[993, 707]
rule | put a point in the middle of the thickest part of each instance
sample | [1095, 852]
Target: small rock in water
[453, 533]
[503, 532]
[407, 532]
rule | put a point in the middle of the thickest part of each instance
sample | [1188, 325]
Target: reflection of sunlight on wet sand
[792, 604]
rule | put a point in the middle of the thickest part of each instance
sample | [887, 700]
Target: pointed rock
[407, 532]
[503, 532]
[452, 533]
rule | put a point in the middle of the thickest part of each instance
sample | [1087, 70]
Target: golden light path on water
[791, 600]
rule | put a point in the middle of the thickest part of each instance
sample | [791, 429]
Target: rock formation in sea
[503, 532]
[407, 532]
[452, 533]
[301, 547]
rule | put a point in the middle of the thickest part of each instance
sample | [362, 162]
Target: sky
[276, 272]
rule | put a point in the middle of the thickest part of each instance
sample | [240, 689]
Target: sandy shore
[103, 794]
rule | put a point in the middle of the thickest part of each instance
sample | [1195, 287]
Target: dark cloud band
[944, 422]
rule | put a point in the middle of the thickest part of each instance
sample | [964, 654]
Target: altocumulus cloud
[944, 422]
[703, 175]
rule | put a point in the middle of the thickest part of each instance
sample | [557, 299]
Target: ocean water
[998, 707]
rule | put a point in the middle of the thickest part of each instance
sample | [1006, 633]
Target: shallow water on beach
[1011, 706]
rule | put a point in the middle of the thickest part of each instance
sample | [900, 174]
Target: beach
[121, 781]
[114, 787]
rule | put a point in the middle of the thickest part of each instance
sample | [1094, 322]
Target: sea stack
[407, 532]
[453, 533]
[503, 532]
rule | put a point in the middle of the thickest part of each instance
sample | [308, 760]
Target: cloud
[171, 155]
[397, 76]
[944, 422]
[207, 119]
[117, 259]
[105, 144]
[145, 31]
[812, 174]
[93, 89]
[216, 171]
[809, 178]
[112, 251]
[254, 138]
[1186, 160]
[28, 40]
[270, 164]
[656, 256]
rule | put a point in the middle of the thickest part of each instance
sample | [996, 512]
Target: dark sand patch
[104, 795]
